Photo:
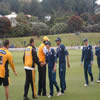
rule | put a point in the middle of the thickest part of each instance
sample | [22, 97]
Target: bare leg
[7, 92]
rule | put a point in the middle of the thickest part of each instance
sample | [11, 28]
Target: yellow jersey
[28, 57]
[41, 54]
[5, 59]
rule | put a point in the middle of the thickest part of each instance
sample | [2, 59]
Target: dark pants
[28, 82]
[88, 69]
[98, 61]
[42, 80]
[52, 81]
[62, 75]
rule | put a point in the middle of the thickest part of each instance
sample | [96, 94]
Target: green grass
[74, 77]
[67, 39]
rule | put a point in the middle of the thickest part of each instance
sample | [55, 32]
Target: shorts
[4, 81]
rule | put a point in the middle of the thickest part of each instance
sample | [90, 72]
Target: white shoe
[49, 96]
[86, 85]
[92, 83]
[98, 81]
[59, 94]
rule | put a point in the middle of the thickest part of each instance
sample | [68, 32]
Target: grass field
[67, 39]
[74, 77]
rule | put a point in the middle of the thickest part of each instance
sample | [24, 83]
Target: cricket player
[97, 52]
[87, 57]
[30, 60]
[62, 54]
[51, 60]
[5, 59]
[42, 68]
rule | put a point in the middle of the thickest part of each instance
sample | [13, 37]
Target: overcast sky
[97, 1]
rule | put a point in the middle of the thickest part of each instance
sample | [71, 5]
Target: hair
[44, 42]
[6, 43]
[31, 40]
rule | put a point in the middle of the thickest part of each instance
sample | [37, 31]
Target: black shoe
[39, 94]
[44, 95]
[26, 98]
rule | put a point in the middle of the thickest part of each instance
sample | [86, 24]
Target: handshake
[42, 64]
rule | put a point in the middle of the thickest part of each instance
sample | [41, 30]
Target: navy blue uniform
[51, 59]
[87, 57]
[97, 52]
[61, 54]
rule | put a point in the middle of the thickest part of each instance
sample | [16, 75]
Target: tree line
[47, 7]
[67, 16]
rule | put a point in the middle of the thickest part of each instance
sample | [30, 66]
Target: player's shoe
[26, 98]
[35, 97]
[86, 85]
[49, 96]
[58, 94]
[61, 94]
[44, 95]
[65, 89]
[92, 83]
[98, 81]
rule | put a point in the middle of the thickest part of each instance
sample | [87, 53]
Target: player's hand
[91, 63]
[54, 70]
[15, 73]
[42, 64]
[81, 64]
[68, 65]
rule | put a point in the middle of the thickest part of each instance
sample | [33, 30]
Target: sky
[98, 1]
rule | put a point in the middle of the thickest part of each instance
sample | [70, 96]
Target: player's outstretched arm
[54, 70]
[11, 62]
[68, 63]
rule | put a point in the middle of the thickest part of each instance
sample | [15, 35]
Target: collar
[5, 48]
[87, 45]
[49, 50]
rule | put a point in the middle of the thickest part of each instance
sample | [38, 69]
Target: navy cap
[85, 40]
[48, 43]
[58, 39]
[99, 41]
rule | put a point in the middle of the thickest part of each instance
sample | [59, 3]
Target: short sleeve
[45, 50]
[55, 56]
[66, 52]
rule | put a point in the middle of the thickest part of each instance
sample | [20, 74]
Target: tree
[4, 8]
[14, 5]
[50, 6]
[5, 26]
[75, 24]
[33, 8]
[78, 6]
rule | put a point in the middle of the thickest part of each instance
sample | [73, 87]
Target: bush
[93, 28]
[5, 26]
[96, 19]
[59, 28]
[85, 16]
[21, 18]
[22, 30]
[39, 28]
[75, 24]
